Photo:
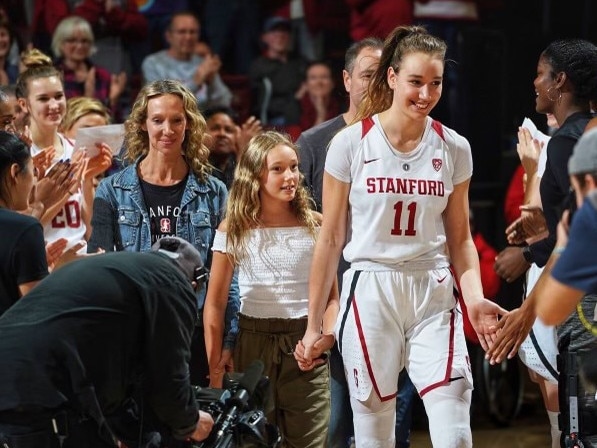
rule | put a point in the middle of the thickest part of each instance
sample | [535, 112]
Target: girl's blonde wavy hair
[244, 204]
[137, 140]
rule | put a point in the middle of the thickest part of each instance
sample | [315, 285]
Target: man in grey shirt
[179, 62]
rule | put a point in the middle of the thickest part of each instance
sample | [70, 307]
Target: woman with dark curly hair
[166, 191]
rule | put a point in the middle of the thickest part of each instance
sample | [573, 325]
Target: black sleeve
[306, 161]
[170, 321]
[555, 185]
[30, 262]
[103, 231]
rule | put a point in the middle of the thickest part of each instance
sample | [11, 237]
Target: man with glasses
[181, 63]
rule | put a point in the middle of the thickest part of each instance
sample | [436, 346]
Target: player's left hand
[512, 330]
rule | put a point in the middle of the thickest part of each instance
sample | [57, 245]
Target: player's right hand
[204, 426]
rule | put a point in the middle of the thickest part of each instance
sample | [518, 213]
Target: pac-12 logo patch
[437, 164]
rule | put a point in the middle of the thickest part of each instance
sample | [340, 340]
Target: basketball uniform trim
[446, 379]
[368, 360]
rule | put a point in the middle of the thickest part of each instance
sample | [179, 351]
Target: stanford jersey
[397, 199]
[68, 223]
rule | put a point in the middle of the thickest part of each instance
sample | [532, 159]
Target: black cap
[276, 23]
[185, 255]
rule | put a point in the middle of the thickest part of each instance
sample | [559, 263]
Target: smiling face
[545, 87]
[417, 85]
[45, 102]
[223, 132]
[280, 177]
[183, 36]
[166, 124]
[77, 46]
[319, 80]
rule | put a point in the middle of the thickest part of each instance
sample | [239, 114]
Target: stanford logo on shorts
[437, 164]
[165, 225]
[356, 377]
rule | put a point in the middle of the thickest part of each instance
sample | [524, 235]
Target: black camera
[239, 411]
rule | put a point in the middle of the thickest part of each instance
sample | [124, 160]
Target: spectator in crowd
[166, 191]
[95, 338]
[8, 70]
[268, 236]
[277, 77]
[83, 112]
[317, 100]
[179, 62]
[72, 44]
[228, 141]
[116, 24]
[12, 111]
[306, 23]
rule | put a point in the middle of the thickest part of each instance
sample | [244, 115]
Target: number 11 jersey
[397, 199]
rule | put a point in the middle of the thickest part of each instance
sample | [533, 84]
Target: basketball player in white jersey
[40, 91]
[396, 191]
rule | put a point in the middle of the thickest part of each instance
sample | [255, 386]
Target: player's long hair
[194, 150]
[244, 203]
[399, 43]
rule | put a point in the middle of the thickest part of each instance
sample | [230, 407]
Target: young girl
[40, 92]
[269, 235]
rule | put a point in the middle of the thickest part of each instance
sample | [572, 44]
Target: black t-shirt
[555, 182]
[22, 254]
[163, 206]
[93, 328]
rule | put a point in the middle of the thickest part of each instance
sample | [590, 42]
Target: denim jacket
[121, 222]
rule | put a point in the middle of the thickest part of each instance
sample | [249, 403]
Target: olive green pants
[301, 400]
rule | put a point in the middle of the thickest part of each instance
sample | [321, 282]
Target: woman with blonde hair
[72, 44]
[167, 190]
[268, 235]
[83, 112]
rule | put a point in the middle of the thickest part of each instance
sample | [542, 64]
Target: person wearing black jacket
[95, 335]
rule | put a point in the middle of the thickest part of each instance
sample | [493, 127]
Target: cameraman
[91, 337]
[561, 298]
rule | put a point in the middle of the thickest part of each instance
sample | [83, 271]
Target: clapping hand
[529, 227]
[43, 159]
